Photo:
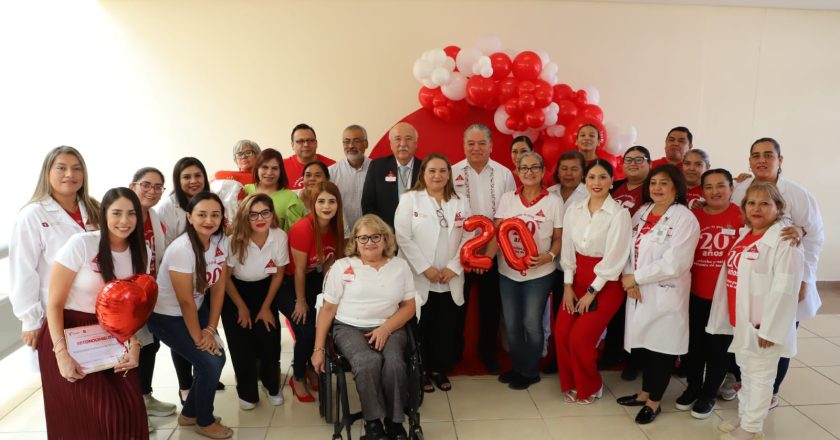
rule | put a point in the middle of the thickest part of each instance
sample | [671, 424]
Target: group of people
[678, 262]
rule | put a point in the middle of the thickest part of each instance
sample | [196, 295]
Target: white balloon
[440, 76]
[499, 119]
[488, 44]
[631, 134]
[422, 69]
[466, 59]
[613, 137]
[550, 113]
[549, 72]
[428, 56]
[593, 96]
[532, 134]
[449, 64]
[438, 57]
[544, 57]
[456, 88]
[486, 71]
[429, 84]
[556, 130]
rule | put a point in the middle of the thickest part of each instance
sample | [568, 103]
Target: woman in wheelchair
[368, 298]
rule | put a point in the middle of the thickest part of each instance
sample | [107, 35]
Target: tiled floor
[482, 408]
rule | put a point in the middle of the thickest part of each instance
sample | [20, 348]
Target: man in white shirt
[349, 174]
[482, 181]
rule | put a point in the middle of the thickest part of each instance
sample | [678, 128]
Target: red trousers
[576, 336]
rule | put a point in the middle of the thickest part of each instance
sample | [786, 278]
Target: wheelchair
[333, 399]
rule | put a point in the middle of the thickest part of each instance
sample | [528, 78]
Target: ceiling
[789, 4]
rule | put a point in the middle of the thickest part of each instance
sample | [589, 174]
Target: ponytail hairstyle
[200, 283]
[136, 241]
[240, 236]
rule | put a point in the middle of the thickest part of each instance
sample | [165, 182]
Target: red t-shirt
[149, 236]
[694, 194]
[733, 259]
[294, 169]
[718, 232]
[663, 161]
[302, 238]
[646, 227]
[243, 177]
[630, 199]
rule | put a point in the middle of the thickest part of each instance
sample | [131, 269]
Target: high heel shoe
[589, 400]
[300, 397]
[312, 378]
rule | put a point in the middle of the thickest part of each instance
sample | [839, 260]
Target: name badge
[349, 275]
[727, 231]
[220, 259]
[89, 227]
[660, 233]
[390, 177]
[752, 256]
[272, 269]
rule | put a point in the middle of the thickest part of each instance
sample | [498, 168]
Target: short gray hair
[530, 154]
[357, 127]
[481, 127]
[245, 143]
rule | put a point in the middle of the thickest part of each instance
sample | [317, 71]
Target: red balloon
[535, 118]
[543, 97]
[567, 112]
[427, 95]
[581, 97]
[525, 88]
[123, 306]
[501, 65]
[592, 111]
[439, 99]
[572, 129]
[470, 259]
[512, 107]
[527, 65]
[146, 282]
[507, 89]
[458, 109]
[443, 112]
[480, 90]
[551, 150]
[512, 257]
[512, 123]
[452, 51]
[527, 102]
[563, 92]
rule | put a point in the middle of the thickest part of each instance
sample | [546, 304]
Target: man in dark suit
[389, 177]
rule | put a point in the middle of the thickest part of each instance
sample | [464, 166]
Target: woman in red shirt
[315, 242]
[695, 163]
[720, 220]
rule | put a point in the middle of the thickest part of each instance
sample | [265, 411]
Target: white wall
[136, 83]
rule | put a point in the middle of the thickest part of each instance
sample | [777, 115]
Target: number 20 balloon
[470, 259]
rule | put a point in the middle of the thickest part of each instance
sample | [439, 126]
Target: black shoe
[629, 400]
[396, 431]
[629, 373]
[491, 365]
[647, 415]
[220, 386]
[550, 368]
[522, 382]
[374, 430]
[508, 376]
[686, 400]
[702, 408]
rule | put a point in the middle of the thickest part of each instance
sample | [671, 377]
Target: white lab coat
[801, 209]
[767, 294]
[659, 322]
[417, 229]
[172, 216]
[40, 230]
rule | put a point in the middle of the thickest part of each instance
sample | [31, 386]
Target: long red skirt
[103, 405]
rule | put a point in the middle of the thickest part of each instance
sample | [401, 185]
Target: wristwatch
[591, 290]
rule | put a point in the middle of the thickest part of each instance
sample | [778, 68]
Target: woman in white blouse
[658, 285]
[429, 225]
[368, 298]
[596, 244]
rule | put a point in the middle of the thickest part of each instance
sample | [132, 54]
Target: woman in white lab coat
[804, 225]
[429, 224]
[757, 294]
[658, 285]
[59, 208]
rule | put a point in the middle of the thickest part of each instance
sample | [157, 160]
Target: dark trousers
[255, 352]
[208, 367]
[706, 353]
[489, 312]
[147, 364]
[656, 371]
[438, 324]
[305, 331]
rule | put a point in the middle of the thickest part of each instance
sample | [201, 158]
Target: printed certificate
[93, 348]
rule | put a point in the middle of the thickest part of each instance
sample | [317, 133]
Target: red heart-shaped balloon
[123, 306]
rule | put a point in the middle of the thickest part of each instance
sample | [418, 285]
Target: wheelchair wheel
[328, 397]
[417, 433]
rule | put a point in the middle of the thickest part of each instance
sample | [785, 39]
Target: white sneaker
[727, 390]
[246, 405]
[157, 408]
[275, 400]
[774, 401]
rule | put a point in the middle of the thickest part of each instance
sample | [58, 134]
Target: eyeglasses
[363, 239]
[354, 141]
[441, 219]
[531, 169]
[635, 160]
[244, 154]
[265, 214]
[157, 187]
[306, 141]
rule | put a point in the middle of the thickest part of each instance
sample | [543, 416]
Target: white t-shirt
[80, 254]
[367, 297]
[262, 263]
[542, 218]
[179, 257]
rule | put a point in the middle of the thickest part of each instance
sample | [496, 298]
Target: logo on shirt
[270, 264]
[219, 252]
[459, 181]
[94, 264]
[45, 224]
[349, 275]
[458, 216]
[540, 213]
[390, 177]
